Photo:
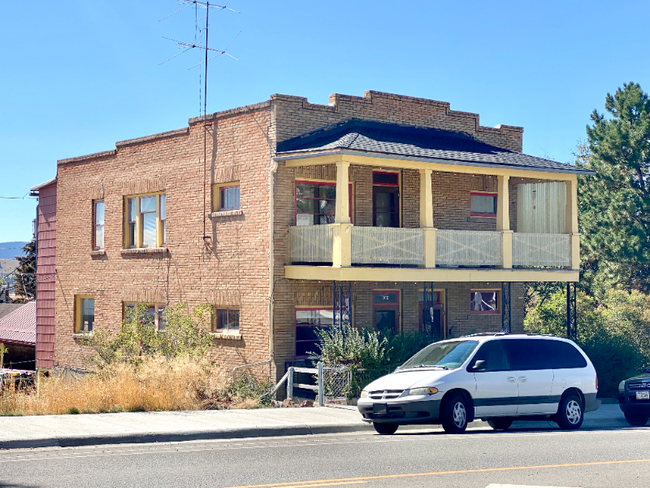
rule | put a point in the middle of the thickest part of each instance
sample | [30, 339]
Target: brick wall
[224, 262]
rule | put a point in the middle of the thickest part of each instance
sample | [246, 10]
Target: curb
[152, 438]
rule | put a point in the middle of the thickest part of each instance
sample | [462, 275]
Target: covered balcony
[543, 246]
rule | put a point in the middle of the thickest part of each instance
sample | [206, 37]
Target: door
[385, 199]
[497, 390]
[530, 360]
[386, 310]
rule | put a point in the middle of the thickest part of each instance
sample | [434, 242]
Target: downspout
[272, 185]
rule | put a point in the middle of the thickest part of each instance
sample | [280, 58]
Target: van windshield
[444, 355]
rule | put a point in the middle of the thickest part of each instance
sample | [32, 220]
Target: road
[413, 458]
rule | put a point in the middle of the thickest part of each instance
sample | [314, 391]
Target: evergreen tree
[25, 287]
[615, 203]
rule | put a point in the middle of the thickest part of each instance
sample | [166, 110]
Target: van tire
[503, 423]
[385, 429]
[570, 413]
[453, 414]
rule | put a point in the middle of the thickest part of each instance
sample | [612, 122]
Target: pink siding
[45, 275]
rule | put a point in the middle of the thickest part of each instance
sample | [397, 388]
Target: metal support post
[321, 388]
[571, 312]
[506, 315]
[290, 383]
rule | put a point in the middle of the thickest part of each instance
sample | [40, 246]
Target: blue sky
[76, 76]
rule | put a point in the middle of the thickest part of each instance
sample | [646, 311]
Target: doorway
[385, 199]
[433, 316]
[385, 305]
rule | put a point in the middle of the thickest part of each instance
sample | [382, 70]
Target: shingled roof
[19, 326]
[354, 136]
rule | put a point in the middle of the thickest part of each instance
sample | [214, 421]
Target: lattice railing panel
[311, 243]
[468, 248]
[541, 249]
[387, 245]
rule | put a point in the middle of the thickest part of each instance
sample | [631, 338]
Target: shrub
[614, 333]
[184, 335]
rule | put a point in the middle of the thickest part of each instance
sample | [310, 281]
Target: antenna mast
[206, 4]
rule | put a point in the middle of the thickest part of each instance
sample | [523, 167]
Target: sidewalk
[145, 427]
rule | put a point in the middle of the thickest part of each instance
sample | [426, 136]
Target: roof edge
[332, 152]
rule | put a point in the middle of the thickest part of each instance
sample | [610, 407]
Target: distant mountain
[7, 266]
[9, 250]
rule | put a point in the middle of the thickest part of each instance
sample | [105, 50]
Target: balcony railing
[387, 245]
[541, 249]
[400, 246]
[310, 243]
[468, 248]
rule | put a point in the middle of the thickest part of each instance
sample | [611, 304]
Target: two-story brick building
[387, 211]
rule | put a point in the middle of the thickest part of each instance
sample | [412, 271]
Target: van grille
[384, 394]
[639, 386]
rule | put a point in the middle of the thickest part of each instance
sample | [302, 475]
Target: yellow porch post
[572, 221]
[503, 220]
[342, 228]
[426, 218]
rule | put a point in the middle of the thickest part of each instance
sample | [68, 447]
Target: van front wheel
[454, 415]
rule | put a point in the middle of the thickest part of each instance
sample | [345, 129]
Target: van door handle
[511, 379]
[523, 379]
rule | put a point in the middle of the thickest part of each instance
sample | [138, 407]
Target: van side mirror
[480, 365]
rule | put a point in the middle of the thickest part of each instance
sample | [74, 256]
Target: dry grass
[157, 384]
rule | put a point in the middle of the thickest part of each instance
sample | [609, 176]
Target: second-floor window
[84, 314]
[225, 197]
[316, 202]
[483, 204]
[99, 224]
[146, 221]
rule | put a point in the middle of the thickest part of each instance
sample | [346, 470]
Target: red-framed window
[316, 202]
[484, 301]
[226, 319]
[99, 224]
[483, 204]
[386, 310]
[308, 321]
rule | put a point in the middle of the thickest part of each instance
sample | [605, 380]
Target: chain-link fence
[337, 382]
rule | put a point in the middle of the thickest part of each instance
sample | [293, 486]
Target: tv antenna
[209, 9]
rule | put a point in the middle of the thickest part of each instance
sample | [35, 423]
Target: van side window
[527, 354]
[492, 353]
[562, 355]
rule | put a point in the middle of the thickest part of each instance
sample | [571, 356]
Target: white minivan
[494, 377]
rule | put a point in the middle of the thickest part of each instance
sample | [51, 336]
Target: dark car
[634, 398]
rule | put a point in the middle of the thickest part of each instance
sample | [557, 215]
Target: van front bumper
[414, 412]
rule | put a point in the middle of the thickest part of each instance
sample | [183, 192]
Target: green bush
[369, 354]
[184, 334]
[614, 333]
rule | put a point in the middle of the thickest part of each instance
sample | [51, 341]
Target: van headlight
[423, 391]
[364, 394]
[621, 386]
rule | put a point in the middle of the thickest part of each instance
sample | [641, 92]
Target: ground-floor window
[308, 321]
[84, 314]
[226, 320]
[154, 313]
[484, 301]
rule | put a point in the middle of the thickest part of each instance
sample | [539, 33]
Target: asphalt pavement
[150, 427]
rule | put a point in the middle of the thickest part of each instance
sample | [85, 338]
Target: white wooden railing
[310, 243]
[541, 249]
[468, 248]
[387, 245]
[399, 246]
